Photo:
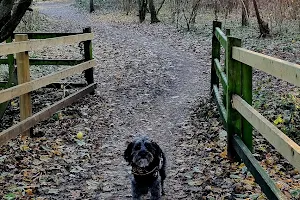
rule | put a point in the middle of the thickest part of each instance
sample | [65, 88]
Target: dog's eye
[137, 147]
[147, 145]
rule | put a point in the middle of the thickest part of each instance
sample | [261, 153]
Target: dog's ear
[158, 150]
[128, 152]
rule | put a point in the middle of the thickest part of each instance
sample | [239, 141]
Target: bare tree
[143, 10]
[11, 13]
[153, 12]
[191, 19]
[92, 6]
[216, 9]
[263, 26]
[127, 4]
[161, 5]
[295, 12]
[245, 12]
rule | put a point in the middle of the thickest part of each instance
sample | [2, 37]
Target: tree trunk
[127, 6]
[142, 9]
[216, 9]
[92, 7]
[245, 12]
[154, 18]
[177, 7]
[263, 26]
[5, 13]
[11, 19]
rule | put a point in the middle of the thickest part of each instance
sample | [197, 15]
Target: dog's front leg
[155, 190]
[136, 193]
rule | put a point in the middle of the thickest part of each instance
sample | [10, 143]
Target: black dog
[148, 168]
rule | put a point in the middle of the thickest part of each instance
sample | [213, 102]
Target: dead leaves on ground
[38, 167]
[208, 144]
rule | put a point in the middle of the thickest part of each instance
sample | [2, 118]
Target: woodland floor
[152, 80]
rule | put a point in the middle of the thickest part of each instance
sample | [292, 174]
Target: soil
[152, 80]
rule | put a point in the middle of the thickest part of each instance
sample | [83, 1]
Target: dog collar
[142, 172]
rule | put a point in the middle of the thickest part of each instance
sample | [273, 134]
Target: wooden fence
[235, 107]
[35, 41]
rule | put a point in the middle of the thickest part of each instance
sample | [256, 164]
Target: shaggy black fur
[148, 168]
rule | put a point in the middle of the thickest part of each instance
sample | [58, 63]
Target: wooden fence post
[216, 46]
[11, 78]
[23, 71]
[247, 96]
[234, 77]
[227, 33]
[88, 55]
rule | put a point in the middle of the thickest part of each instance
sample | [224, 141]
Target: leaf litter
[133, 85]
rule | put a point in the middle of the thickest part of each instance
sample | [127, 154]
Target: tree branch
[12, 20]
[161, 5]
[5, 7]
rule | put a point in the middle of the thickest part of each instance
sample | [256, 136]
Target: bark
[92, 7]
[263, 26]
[142, 9]
[216, 9]
[5, 6]
[153, 13]
[127, 6]
[245, 12]
[11, 15]
[229, 5]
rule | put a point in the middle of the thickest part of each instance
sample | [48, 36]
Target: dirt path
[149, 82]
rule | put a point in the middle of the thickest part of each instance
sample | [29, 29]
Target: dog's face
[141, 152]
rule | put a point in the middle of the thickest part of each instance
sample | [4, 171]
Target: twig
[161, 5]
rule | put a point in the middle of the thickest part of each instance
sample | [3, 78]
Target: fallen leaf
[197, 170]
[53, 191]
[295, 193]
[195, 183]
[10, 196]
[29, 192]
[279, 120]
[235, 176]
[24, 147]
[44, 158]
[80, 142]
[223, 154]
[13, 104]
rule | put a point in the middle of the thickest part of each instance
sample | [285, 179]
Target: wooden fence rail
[235, 107]
[37, 44]
[282, 69]
[25, 86]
